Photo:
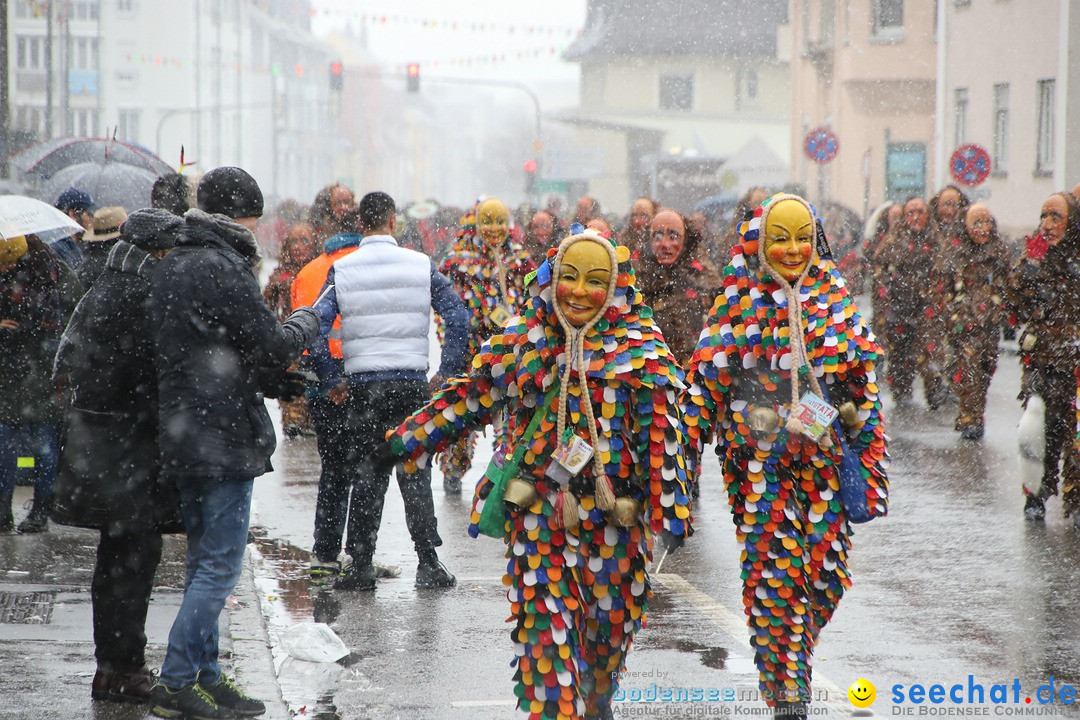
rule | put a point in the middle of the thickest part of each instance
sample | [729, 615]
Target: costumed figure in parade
[783, 326]
[488, 269]
[590, 395]
[973, 272]
[905, 262]
[1045, 296]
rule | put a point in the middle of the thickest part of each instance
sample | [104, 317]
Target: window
[827, 23]
[889, 19]
[29, 118]
[29, 52]
[127, 126]
[84, 10]
[676, 92]
[960, 113]
[83, 122]
[1044, 154]
[905, 171]
[125, 6]
[1001, 129]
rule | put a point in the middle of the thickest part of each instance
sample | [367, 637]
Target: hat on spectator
[106, 224]
[75, 199]
[11, 249]
[230, 191]
[151, 229]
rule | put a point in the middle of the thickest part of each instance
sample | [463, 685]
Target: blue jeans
[36, 441]
[216, 511]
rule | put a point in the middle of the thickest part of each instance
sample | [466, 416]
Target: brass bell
[849, 414]
[626, 512]
[763, 421]
[520, 495]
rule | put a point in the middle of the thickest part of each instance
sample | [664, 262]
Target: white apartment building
[1012, 86]
[234, 82]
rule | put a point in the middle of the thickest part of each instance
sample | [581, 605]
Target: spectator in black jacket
[97, 245]
[108, 477]
[219, 351]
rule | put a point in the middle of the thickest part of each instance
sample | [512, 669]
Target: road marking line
[735, 627]
[482, 703]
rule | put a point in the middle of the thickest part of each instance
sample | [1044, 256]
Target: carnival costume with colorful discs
[488, 269]
[751, 364]
[578, 546]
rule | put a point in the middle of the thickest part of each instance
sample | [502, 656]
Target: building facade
[670, 92]
[864, 69]
[1012, 86]
[239, 82]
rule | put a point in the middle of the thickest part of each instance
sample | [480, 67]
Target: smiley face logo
[862, 693]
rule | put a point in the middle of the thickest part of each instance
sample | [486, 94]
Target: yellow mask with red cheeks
[789, 239]
[581, 289]
[492, 221]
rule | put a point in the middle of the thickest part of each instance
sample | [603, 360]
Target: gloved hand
[303, 326]
[383, 459]
[670, 542]
[281, 384]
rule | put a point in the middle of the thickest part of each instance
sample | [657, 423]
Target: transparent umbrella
[108, 183]
[21, 215]
[46, 158]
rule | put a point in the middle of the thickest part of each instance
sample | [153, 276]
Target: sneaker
[188, 703]
[38, 519]
[357, 577]
[972, 432]
[1034, 508]
[790, 711]
[122, 686]
[323, 570]
[431, 573]
[229, 697]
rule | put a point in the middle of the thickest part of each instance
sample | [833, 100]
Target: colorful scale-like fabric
[784, 490]
[470, 265]
[577, 595]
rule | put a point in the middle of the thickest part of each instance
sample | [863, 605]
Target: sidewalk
[46, 636]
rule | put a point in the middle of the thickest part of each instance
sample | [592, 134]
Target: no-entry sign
[821, 145]
[970, 164]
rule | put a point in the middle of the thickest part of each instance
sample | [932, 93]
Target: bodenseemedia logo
[968, 698]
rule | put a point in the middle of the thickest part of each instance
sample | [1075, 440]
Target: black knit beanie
[230, 191]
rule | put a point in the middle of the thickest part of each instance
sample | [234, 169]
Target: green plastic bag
[493, 517]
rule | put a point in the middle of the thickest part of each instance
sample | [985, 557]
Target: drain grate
[26, 608]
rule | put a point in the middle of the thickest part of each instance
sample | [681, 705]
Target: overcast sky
[416, 31]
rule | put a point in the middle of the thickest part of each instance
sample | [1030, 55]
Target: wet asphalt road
[953, 583]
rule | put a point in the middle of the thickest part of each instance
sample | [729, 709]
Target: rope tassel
[605, 494]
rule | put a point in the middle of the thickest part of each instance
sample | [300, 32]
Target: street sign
[970, 164]
[821, 145]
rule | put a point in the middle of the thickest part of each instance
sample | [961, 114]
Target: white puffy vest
[384, 297]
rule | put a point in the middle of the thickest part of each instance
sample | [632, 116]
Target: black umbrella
[46, 158]
[110, 183]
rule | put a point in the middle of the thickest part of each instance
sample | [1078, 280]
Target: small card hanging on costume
[499, 315]
[570, 458]
[815, 414]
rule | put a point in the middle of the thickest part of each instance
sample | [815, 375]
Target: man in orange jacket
[327, 417]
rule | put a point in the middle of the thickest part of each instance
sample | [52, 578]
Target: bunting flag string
[299, 70]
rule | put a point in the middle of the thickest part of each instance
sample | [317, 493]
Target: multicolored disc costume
[783, 486]
[578, 589]
[485, 277]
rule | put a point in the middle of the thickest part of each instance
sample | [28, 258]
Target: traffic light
[531, 167]
[336, 80]
[412, 77]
